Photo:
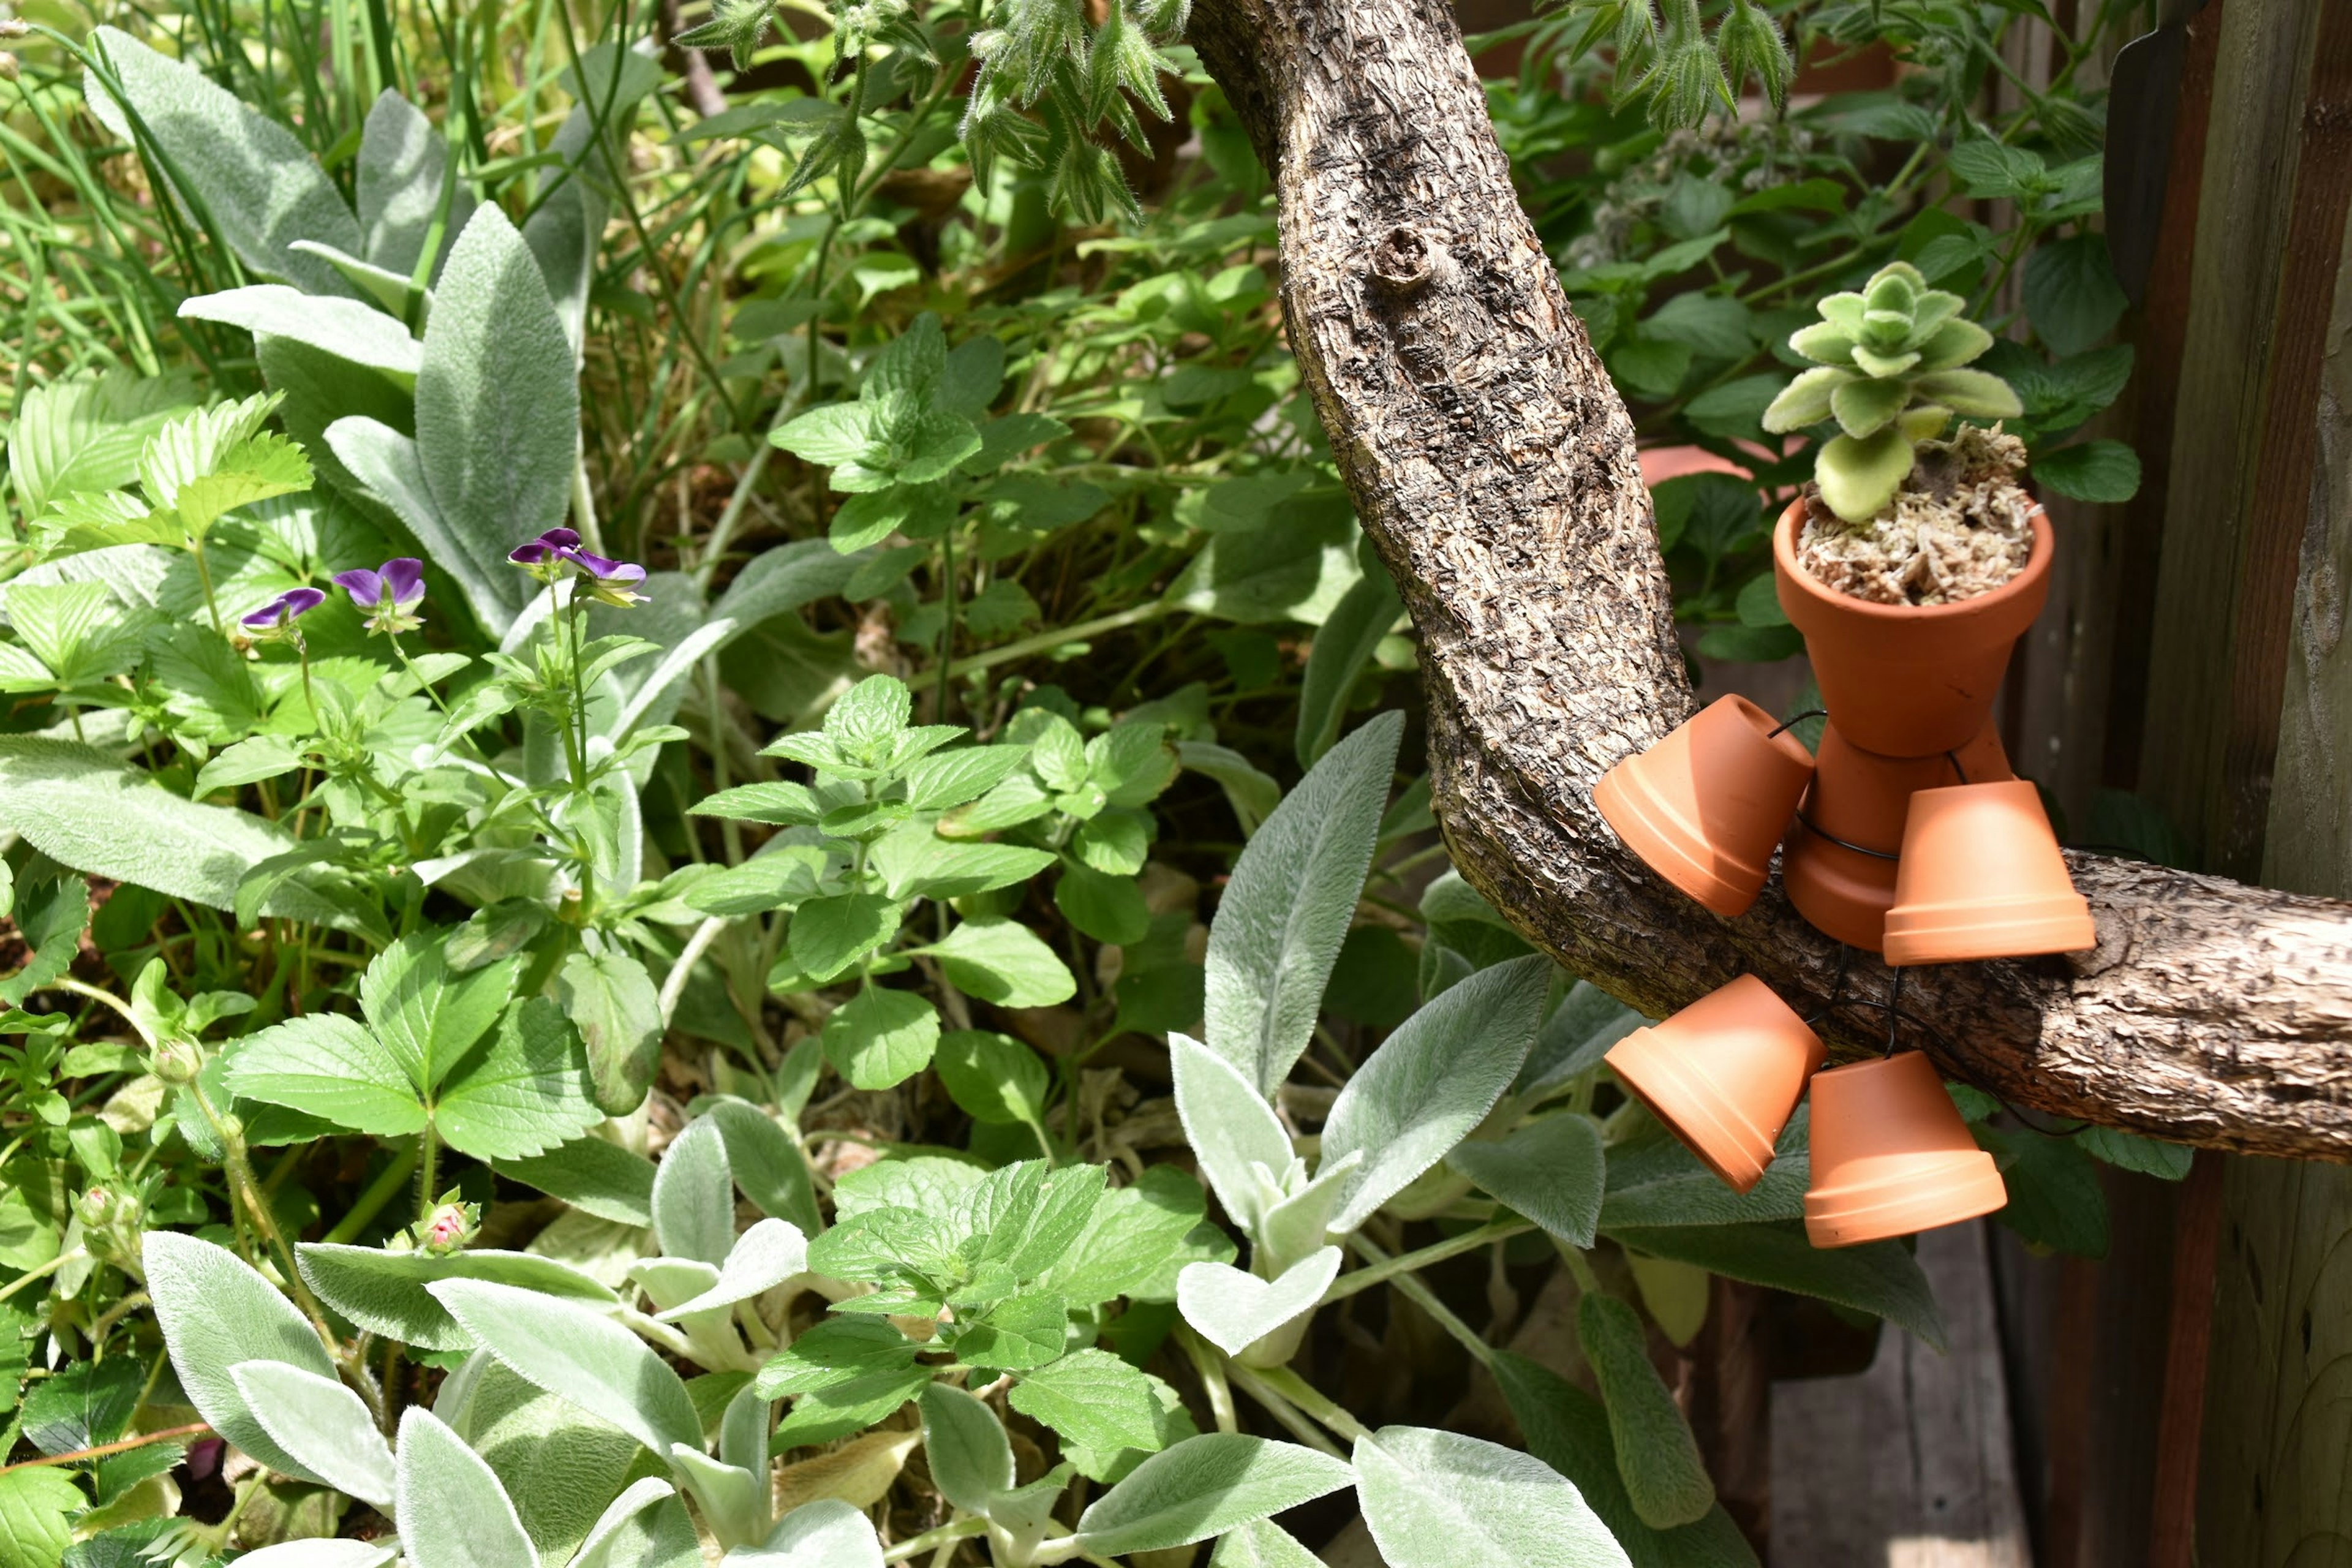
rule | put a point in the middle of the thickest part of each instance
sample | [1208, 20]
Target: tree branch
[1493, 467]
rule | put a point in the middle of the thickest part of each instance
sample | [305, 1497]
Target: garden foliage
[713, 833]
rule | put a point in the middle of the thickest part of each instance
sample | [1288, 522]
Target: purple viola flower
[613, 583]
[543, 557]
[275, 618]
[389, 595]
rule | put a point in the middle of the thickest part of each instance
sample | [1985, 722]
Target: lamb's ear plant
[1890, 366]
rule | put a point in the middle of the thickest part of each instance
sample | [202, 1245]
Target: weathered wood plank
[2276, 1483]
[1907, 1465]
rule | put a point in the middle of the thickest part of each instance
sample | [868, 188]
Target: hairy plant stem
[1385, 1267]
[371, 1202]
[955, 1529]
[82, 1456]
[1212, 1373]
[1261, 1386]
[1418, 1292]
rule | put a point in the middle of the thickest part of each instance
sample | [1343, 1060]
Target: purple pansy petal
[366, 587]
[403, 576]
[285, 608]
[539, 552]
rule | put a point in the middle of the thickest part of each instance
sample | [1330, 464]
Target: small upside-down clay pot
[1891, 1155]
[1859, 798]
[1705, 806]
[1980, 877]
[1723, 1074]
[1908, 681]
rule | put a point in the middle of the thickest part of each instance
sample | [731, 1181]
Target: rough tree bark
[1493, 467]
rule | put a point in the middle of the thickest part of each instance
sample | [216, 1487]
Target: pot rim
[1785, 566]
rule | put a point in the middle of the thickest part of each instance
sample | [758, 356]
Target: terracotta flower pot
[1980, 877]
[1891, 1155]
[1908, 681]
[1861, 798]
[1704, 807]
[1723, 1073]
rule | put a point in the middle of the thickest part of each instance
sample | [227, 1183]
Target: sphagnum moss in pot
[1916, 558]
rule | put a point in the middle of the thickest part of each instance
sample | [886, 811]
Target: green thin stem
[1389, 1269]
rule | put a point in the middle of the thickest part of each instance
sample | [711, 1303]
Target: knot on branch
[1405, 260]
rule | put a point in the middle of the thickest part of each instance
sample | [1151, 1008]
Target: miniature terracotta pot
[1891, 1155]
[1908, 681]
[1980, 877]
[1859, 798]
[1723, 1074]
[1704, 807]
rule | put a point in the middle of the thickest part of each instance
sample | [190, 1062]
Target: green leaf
[425, 1017]
[1234, 1310]
[217, 1314]
[1567, 1429]
[453, 1512]
[579, 1355]
[401, 164]
[328, 1066]
[525, 1090]
[2054, 1197]
[970, 1455]
[611, 999]
[828, 935]
[1019, 1331]
[1102, 906]
[1657, 1456]
[353, 333]
[1289, 903]
[2130, 1151]
[828, 1534]
[1092, 1397]
[1205, 1485]
[834, 1352]
[1435, 1499]
[1550, 1171]
[1261, 1545]
[950, 778]
[2071, 293]
[1230, 1126]
[1297, 571]
[2097, 471]
[763, 1257]
[1654, 1180]
[84, 1404]
[36, 1509]
[498, 412]
[247, 761]
[1865, 405]
[1027, 1216]
[766, 1163]
[992, 1078]
[1430, 1083]
[1137, 1241]
[322, 1422]
[880, 1038]
[1004, 962]
[694, 1195]
[595, 1177]
[84, 809]
[1342, 648]
[1970, 394]
[384, 1292]
[837, 1409]
[1858, 477]
[1880, 1278]
[242, 169]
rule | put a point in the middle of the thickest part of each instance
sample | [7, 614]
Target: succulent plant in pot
[1916, 558]
[1890, 365]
